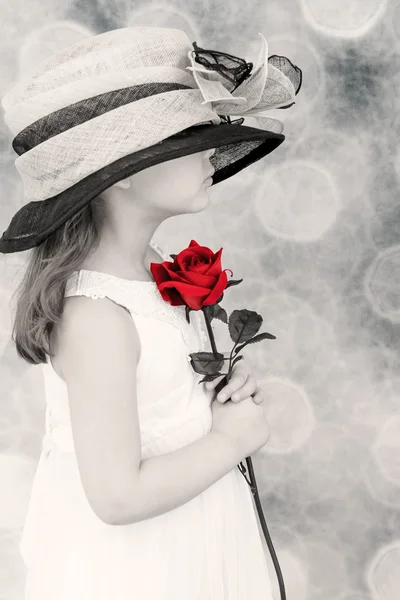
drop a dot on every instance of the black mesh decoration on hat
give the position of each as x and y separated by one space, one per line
292 72
233 68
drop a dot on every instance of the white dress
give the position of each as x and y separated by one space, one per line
209 548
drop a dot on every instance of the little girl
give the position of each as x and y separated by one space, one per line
137 494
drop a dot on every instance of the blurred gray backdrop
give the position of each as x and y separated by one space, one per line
314 231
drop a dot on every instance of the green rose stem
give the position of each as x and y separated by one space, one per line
252 483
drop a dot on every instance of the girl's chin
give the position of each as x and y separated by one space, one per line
202 198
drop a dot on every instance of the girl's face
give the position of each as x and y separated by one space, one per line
176 186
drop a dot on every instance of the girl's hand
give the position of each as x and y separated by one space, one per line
242 385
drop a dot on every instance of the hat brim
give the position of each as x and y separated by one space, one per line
237 147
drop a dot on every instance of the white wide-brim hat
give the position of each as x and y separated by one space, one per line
122 101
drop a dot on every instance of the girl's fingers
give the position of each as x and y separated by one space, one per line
242 386
258 396
247 389
236 389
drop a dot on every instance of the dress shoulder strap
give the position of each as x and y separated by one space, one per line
96 284
159 251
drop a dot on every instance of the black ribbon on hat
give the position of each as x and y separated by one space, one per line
233 68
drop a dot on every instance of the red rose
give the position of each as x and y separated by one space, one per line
194 278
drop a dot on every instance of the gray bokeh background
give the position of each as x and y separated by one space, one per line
314 231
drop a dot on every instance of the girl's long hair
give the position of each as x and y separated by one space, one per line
40 295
